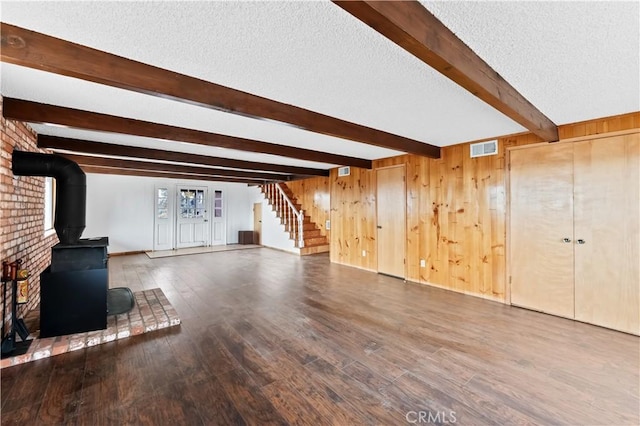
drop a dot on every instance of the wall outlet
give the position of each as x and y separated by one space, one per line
423 263
327 225
364 253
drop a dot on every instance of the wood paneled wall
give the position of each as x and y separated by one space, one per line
353 219
456 213
314 196
599 126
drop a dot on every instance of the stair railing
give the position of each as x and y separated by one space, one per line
292 218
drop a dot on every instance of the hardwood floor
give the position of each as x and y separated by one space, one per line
272 338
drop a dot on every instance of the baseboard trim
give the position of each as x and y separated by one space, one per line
127 253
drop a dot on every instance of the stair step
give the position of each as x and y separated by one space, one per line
315 241
307 226
274 208
308 250
308 235
312 233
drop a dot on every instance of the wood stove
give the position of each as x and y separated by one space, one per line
73 290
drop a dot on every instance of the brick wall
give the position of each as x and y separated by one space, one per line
22 211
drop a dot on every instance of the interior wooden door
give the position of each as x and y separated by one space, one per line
607 215
391 208
541 228
257 221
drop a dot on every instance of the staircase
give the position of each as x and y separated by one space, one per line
306 235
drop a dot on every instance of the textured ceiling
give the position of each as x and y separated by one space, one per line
574 61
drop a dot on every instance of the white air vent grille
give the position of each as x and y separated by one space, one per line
484 148
344 171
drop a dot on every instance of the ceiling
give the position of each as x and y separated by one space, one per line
573 61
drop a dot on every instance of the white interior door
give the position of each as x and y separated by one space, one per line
163 218
192 224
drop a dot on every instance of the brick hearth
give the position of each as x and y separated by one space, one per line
151 312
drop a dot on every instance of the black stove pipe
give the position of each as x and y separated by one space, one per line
71 190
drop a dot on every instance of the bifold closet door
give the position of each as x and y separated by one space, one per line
607 216
541 229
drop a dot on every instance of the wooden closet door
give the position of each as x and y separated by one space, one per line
541 228
391 213
607 216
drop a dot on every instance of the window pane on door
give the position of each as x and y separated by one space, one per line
163 203
187 203
217 204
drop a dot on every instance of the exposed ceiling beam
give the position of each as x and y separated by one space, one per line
35 112
88 147
35 50
415 29
148 173
86 160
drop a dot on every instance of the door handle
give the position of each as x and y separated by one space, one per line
566 240
580 241
379 227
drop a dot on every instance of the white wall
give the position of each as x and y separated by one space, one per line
122 208
273 233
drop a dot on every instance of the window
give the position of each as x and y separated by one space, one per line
162 207
49 204
217 204
192 203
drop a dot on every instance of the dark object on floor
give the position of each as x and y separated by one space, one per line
73 294
247 237
120 300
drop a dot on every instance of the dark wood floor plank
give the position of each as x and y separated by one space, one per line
248 399
293 346
216 360
409 394
248 328
63 395
188 357
100 382
366 376
103 416
325 400
25 415
365 401
26 385
271 338
434 383
213 404
299 330
349 335
262 368
620 393
180 410
295 408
